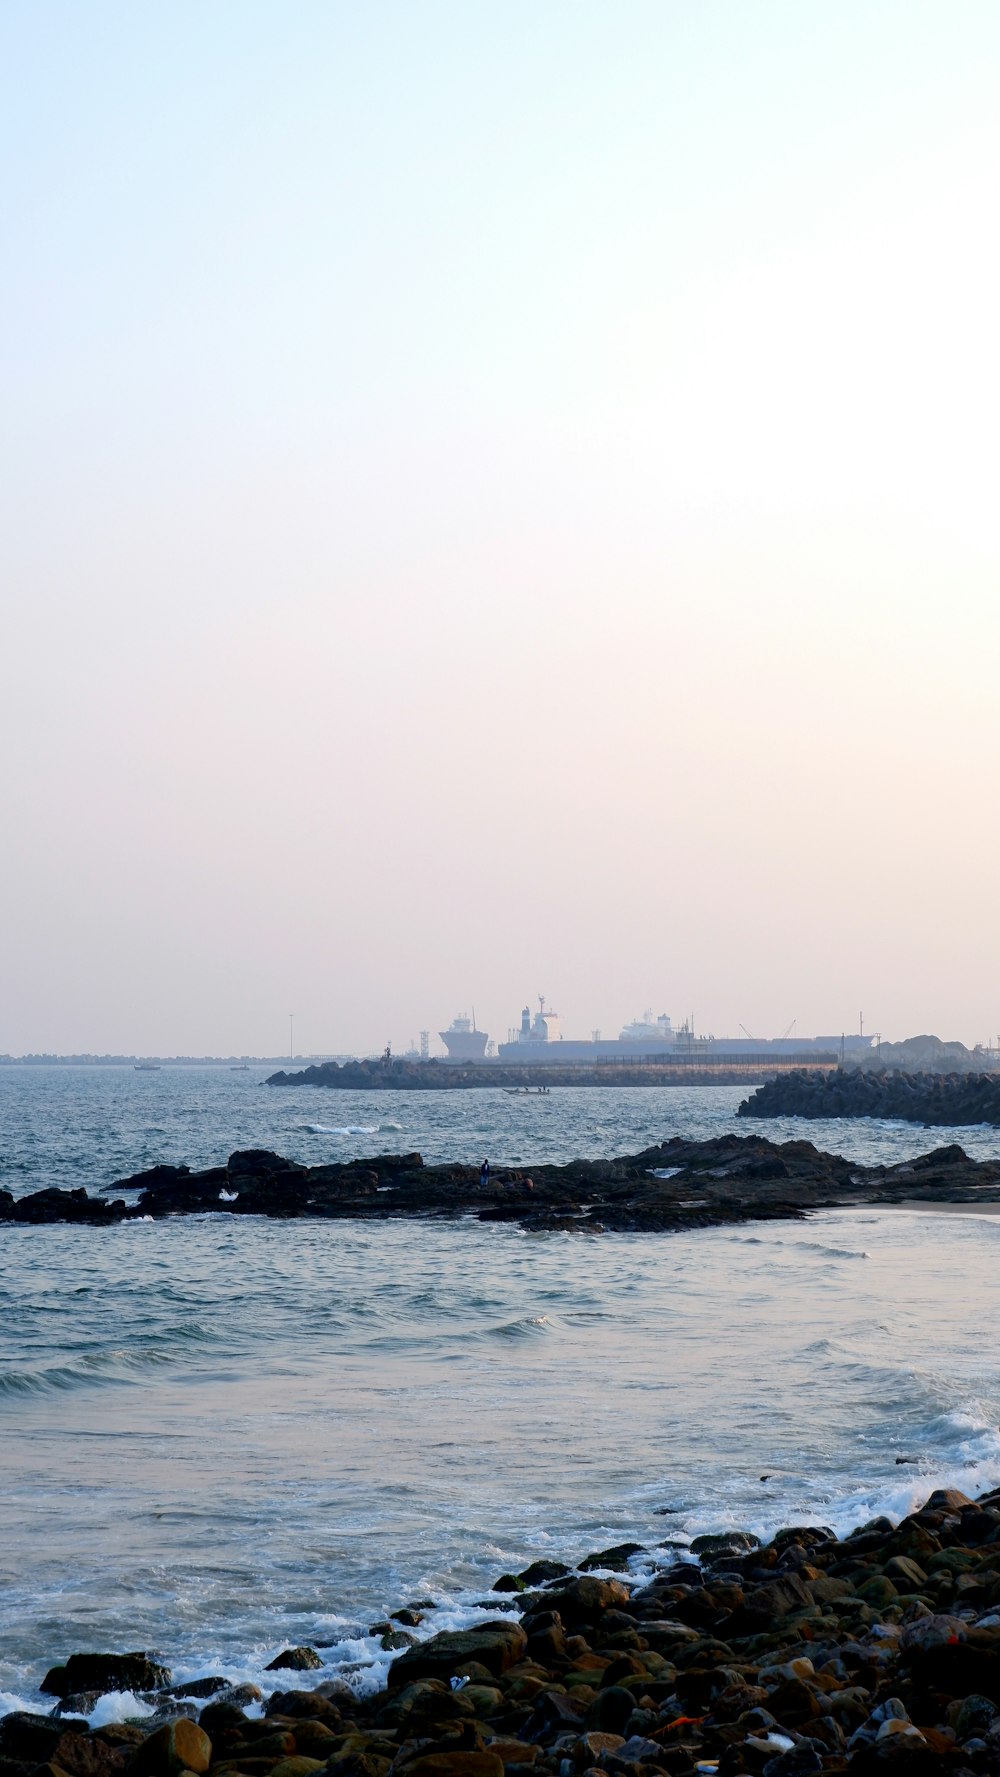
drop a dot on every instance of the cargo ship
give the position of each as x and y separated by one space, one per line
655 1040
652 1040
463 1041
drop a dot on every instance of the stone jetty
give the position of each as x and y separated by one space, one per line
872 1654
675 1185
397 1074
951 1100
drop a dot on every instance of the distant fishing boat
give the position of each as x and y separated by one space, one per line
239 1067
147 1067
527 1091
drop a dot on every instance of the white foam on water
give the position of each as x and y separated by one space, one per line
345 1128
118 1706
10 1701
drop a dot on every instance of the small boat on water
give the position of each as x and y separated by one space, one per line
528 1091
146 1067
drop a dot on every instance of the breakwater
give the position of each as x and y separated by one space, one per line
951 1100
394 1074
804 1654
673 1185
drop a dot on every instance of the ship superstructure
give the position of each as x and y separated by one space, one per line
463 1041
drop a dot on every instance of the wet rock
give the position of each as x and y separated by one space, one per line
496 1646
767 1604
613 1560
240 1694
541 1573
176 1747
295 1659
315 1705
199 1687
106 1672
725 1542
33 1738
585 1600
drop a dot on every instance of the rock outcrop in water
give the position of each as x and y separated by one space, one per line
674 1185
872 1654
946 1099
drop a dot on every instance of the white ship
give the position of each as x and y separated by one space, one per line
463 1041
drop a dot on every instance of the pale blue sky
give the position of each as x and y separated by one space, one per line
497 500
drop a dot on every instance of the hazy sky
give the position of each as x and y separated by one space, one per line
497 499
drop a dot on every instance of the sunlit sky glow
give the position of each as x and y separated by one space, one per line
497 500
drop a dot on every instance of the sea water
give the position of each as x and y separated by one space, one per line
220 1436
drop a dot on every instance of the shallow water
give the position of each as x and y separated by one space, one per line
218 1437
71 1126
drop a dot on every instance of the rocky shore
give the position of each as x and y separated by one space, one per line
957 1099
675 1185
878 1652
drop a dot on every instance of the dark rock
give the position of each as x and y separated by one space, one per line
306 1705
610 1710
199 1687
105 1672
800 1760
947 1098
494 1645
585 1600
614 1560
33 1738
975 1717
295 1659
540 1573
456 1764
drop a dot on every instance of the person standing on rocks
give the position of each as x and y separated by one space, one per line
484 1175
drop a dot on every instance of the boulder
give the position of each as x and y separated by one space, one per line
104 1673
542 1573
494 1645
295 1659
32 1739
456 1764
176 1747
307 1705
614 1560
585 1600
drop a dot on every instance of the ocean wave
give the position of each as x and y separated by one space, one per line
801 1246
122 1364
346 1128
828 1252
529 1326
